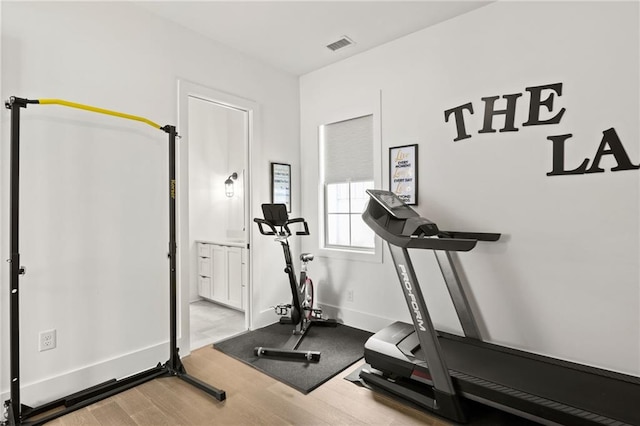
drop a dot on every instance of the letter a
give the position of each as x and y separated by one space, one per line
610 138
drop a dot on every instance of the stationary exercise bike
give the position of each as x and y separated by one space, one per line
300 312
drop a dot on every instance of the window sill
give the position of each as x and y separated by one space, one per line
373 256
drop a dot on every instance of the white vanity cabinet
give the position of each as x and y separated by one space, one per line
221 273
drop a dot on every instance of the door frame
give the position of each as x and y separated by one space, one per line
188 89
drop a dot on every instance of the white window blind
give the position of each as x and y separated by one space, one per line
348 150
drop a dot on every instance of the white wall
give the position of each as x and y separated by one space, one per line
94 190
564 279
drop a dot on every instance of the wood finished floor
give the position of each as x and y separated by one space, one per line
252 399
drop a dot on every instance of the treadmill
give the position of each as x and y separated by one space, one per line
438 371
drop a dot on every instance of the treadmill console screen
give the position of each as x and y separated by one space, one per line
392 203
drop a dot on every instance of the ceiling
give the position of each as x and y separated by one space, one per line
292 35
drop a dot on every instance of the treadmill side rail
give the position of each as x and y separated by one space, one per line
458 295
447 403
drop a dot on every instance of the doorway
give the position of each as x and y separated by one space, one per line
214 215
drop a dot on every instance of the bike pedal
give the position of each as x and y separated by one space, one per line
282 309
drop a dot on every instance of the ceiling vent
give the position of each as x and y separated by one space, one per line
340 44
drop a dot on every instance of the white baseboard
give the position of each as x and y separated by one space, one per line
352 318
356 319
264 318
51 388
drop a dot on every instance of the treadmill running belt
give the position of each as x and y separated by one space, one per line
598 391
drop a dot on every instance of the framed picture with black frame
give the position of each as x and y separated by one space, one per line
403 172
281 184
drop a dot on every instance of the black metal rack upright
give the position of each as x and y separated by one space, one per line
20 414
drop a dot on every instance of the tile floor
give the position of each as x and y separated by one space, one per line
211 322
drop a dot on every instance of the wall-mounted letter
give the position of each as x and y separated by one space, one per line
510 113
459 118
558 158
537 102
610 138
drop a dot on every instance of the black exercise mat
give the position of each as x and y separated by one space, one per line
340 346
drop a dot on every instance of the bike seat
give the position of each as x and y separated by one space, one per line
306 257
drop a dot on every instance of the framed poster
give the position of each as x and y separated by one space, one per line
281 184
403 172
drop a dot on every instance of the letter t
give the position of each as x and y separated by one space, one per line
459 118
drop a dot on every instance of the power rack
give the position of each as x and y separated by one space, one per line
20 414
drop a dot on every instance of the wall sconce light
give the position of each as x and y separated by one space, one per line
228 184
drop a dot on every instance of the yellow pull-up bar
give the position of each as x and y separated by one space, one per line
98 110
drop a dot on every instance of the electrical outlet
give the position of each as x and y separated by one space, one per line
350 296
47 340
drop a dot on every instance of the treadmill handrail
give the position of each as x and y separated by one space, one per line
449 241
479 236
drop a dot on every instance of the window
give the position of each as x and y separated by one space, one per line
347 170
345 203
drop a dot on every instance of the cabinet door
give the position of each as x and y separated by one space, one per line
219 273
204 266
204 270
204 287
234 274
203 250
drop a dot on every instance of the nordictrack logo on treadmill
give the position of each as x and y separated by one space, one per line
414 304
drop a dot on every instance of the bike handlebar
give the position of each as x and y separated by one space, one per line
261 222
284 228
